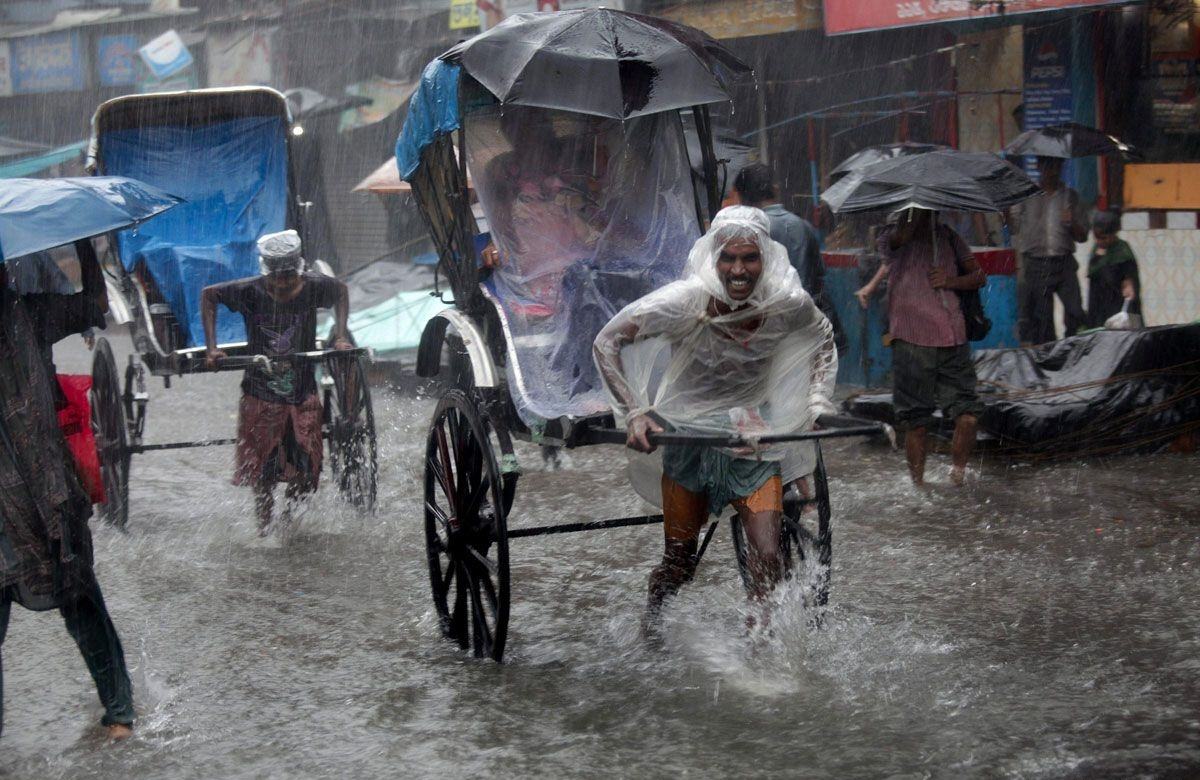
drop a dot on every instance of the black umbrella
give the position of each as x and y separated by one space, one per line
1066 141
305 103
941 180
598 61
874 154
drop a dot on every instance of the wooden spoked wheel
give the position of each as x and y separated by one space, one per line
350 431
466 534
112 436
806 543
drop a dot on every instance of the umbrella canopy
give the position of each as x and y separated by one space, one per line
942 180
873 154
37 214
1066 141
598 61
386 180
305 103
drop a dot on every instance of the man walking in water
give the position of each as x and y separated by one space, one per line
931 358
45 543
279 418
736 347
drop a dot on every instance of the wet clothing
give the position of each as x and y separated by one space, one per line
716 474
685 510
1107 269
1041 279
279 328
278 442
803 247
925 379
45 544
918 313
1038 227
89 624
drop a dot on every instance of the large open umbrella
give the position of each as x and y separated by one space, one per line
598 61
941 180
37 214
873 154
1066 141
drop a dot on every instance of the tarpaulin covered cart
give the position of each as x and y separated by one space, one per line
225 153
569 126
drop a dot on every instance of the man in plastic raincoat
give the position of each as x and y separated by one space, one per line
735 347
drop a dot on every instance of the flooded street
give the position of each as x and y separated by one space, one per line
1041 622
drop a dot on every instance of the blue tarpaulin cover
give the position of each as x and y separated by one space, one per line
37 214
432 110
234 178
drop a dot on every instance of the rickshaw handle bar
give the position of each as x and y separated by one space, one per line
246 361
832 428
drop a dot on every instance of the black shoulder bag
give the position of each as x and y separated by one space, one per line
971 303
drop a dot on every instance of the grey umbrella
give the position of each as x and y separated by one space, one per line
940 180
1067 141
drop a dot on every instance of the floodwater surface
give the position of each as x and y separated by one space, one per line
1040 622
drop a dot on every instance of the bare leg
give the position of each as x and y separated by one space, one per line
914 451
763 558
962 445
677 567
264 505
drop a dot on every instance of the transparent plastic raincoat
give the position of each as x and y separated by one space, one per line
765 367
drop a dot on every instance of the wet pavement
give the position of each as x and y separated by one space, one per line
1041 622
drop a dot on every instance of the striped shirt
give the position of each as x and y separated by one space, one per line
917 313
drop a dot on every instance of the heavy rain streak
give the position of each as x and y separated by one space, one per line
558 388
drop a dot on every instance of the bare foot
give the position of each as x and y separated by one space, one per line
119 731
958 475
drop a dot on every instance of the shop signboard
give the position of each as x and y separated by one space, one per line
116 60
464 15
1047 95
492 12
847 16
166 55
48 63
1176 96
241 57
6 87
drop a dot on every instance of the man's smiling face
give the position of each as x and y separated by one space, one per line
739 266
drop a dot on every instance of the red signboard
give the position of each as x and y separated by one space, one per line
843 16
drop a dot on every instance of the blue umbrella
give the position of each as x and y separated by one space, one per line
38 214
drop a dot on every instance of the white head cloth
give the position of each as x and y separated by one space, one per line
767 366
275 250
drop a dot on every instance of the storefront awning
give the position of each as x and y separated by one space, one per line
847 16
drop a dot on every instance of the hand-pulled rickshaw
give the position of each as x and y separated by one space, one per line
225 152
569 127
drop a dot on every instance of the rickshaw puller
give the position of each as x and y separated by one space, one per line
750 354
279 417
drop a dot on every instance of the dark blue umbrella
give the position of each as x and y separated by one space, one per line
38 214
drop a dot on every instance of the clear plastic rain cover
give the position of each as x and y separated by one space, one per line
705 363
589 214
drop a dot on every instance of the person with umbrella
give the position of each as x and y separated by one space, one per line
1046 229
45 543
928 263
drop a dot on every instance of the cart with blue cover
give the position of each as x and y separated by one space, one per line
569 126
225 152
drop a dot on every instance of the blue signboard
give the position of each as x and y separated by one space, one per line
48 63
116 57
1048 98
166 55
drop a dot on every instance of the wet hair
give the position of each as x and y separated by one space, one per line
1106 222
754 184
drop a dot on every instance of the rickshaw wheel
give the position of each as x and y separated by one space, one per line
112 443
350 431
807 552
466 533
